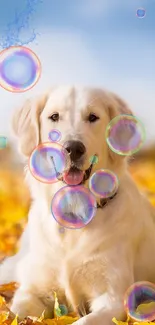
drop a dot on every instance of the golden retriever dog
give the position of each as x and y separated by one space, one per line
90 268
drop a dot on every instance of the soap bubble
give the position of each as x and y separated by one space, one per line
20 69
64 310
125 135
93 159
61 230
103 183
73 207
141 13
139 301
3 142
54 135
48 161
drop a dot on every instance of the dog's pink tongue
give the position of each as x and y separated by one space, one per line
73 178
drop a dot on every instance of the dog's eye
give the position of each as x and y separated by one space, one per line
54 117
92 118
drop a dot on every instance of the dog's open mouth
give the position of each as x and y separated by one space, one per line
73 176
76 176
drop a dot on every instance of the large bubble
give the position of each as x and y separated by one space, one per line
48 162
73 207
20 69
125 134
139 301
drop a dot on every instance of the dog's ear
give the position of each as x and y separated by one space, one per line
119 106
25 124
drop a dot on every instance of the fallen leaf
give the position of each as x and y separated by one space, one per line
8 287
63 320
15 322
2 301
119 322
3 317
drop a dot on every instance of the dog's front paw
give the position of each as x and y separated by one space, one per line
26 304
83 321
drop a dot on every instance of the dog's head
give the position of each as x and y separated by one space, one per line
81 115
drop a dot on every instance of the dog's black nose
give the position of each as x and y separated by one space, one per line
76 149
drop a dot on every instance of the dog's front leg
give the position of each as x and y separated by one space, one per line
103 316
26 303
37 282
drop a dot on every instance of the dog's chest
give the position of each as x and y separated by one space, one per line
83 280
77 258
82 271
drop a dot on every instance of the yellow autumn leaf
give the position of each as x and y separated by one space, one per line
3 316
119 322
41 318
57 310
15 321
2 301
8 287
146 308
63 320
143 323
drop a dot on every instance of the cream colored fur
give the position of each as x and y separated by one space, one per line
90 267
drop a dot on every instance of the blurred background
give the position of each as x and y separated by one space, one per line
83 42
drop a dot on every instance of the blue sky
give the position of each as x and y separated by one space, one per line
96 42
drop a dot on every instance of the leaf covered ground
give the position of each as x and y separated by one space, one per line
14 205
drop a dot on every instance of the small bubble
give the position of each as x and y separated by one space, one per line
103 183
141 13
61 230
93 159
3 142
64 310
54 135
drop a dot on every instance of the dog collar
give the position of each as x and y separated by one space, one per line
104 202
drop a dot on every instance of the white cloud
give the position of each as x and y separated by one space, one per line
67 59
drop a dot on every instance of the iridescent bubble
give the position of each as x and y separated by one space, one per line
139 301
3 142
103 183
141 13
64 310
125 135
54 135
93 159
20 69
73 207
61 230
48 161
